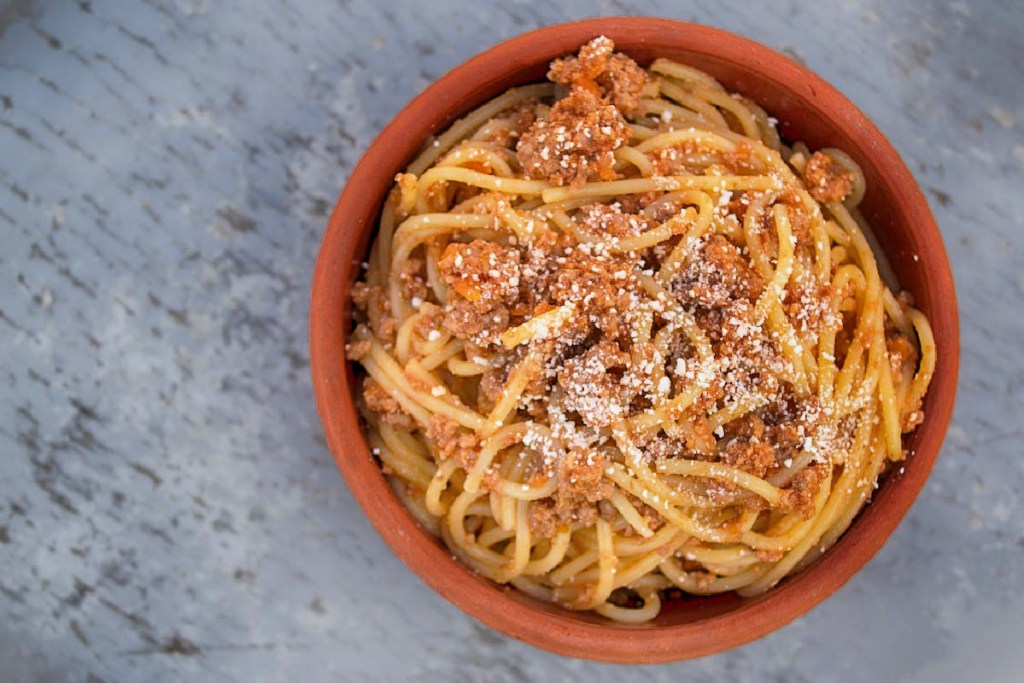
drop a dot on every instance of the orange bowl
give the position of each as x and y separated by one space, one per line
808 109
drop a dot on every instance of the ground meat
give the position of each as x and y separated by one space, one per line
431 318
799 226
464 321
799 495
844 337
602 219
538 269
602 289
615 75
379 401
607 511
807 302
481 272
748 427
576 143
787 439
640 379
699 437
581 476
373 298
718 274
912 417
358 350
647 513
484 277
688 565
738 204
538 370
543 520
417 383
581 488
362 293
901 353
493 357
523 117
386 329
635 203
452 441
588 282
492 384
743 161
674 160
755 457
411 278
403 196
437 196
827 180
734 270
591 388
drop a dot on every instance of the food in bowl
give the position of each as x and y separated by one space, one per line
621 341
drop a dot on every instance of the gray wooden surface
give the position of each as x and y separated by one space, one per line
168 509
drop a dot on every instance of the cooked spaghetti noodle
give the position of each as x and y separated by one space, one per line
618 338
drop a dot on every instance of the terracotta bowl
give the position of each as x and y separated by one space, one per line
808 109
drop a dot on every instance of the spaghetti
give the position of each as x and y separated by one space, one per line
619 338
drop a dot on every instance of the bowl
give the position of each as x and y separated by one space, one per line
808 109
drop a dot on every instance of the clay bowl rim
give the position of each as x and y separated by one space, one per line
545 626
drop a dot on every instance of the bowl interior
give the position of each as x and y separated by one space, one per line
808 109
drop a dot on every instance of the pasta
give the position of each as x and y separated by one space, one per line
619 340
